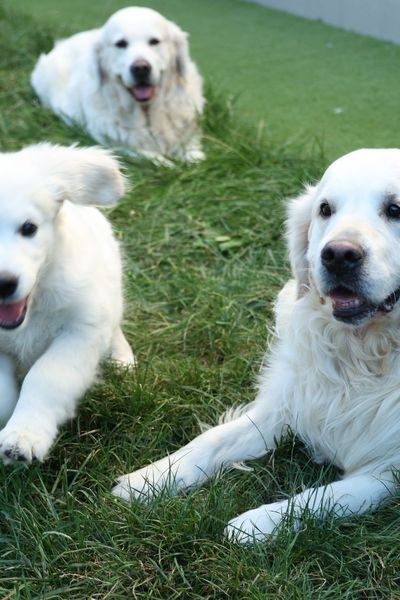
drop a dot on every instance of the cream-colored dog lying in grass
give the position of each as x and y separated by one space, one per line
333 375
60 289
130 83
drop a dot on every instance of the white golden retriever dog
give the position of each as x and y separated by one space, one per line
60 289
333 375
130 83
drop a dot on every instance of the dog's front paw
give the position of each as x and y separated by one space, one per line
194 156
256 525
142 485
24 444
149 481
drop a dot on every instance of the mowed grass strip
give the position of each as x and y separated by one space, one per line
204 257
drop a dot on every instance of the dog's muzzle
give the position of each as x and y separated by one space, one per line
142 90
352 308
343 261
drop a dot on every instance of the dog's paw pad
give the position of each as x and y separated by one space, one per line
22 446
15 454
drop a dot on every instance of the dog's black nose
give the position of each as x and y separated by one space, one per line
141 70
341 256
8 284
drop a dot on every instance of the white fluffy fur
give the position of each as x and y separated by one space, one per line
336 385
70 271
84 79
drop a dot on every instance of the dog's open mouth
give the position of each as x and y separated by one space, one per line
12 314
344 301
141 92
352 308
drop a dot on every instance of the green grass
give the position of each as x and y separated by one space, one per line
204 258
288 72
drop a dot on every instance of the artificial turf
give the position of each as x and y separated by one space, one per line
204 257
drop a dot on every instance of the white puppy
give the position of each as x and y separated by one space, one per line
130 83
333 375
60 289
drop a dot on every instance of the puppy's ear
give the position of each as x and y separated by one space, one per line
89 176
297 229
181 49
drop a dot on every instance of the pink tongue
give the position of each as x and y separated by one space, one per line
345 299
10 313
142 92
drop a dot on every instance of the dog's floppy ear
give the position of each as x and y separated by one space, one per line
181 49
89 176
96 73
297 229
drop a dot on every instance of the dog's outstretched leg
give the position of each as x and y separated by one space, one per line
249 436
50 393
351 495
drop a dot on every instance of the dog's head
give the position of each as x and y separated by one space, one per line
34 183
140 50
344 235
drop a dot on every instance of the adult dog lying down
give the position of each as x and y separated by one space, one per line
333 374
60 289
130 83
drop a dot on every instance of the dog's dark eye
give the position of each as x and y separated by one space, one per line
121 44
325 210
28 229
393 211
154 41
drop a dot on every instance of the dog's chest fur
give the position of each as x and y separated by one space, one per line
342 390
154 128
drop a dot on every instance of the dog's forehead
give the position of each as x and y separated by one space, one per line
371 172
21 184
135 22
